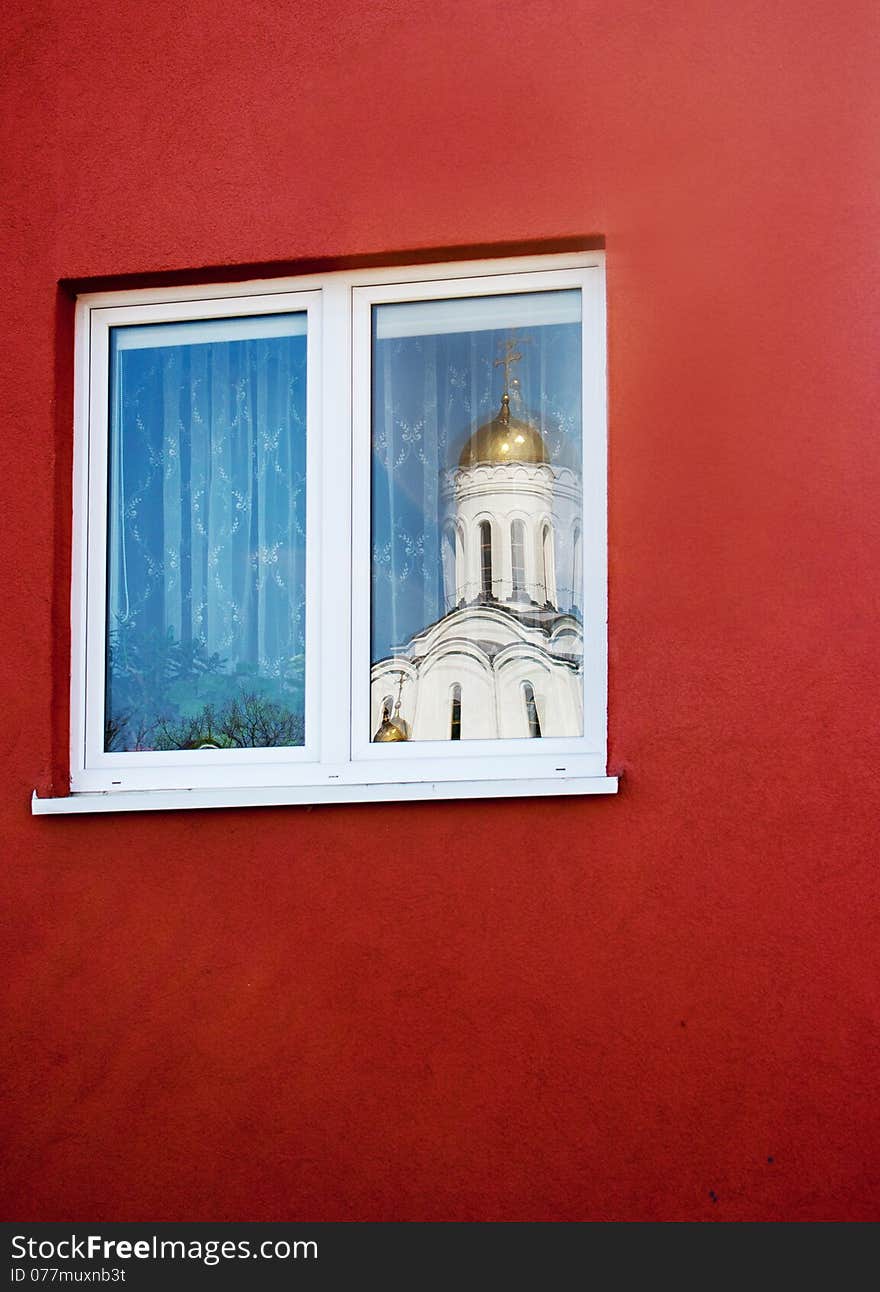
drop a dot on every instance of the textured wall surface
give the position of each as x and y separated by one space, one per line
660 1006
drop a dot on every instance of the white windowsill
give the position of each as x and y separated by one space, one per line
277 796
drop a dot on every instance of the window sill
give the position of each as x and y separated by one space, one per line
280 796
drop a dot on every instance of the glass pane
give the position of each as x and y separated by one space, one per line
477 628
206 572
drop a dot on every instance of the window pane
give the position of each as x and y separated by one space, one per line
206 575
476 503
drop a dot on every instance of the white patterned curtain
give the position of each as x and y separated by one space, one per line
206 587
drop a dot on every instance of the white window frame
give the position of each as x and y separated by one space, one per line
339 762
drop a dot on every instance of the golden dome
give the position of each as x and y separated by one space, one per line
389 730
504 439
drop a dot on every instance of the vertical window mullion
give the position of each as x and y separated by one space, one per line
338 616
94 533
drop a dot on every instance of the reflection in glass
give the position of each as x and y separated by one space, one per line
455 724
531 710
518 556
476 620
206 577
486 558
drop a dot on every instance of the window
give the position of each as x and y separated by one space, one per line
518 557
310 514
532 719
455 723
486 558
548 583
577 578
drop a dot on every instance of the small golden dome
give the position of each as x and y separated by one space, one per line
389 730
504 439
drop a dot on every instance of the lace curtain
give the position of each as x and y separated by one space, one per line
206 586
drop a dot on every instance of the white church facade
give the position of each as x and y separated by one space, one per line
506 661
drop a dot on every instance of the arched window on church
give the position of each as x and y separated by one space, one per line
532 718
448 564
518 556
455 721
549 567
460 575
486 558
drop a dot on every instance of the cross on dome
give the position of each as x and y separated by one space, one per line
510 356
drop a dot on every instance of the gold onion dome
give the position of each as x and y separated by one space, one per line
389 730
504 439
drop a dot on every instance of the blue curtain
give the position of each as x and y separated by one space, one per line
206 580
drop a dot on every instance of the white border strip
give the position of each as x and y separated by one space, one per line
282 796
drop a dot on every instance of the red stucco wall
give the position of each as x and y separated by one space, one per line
588 1009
